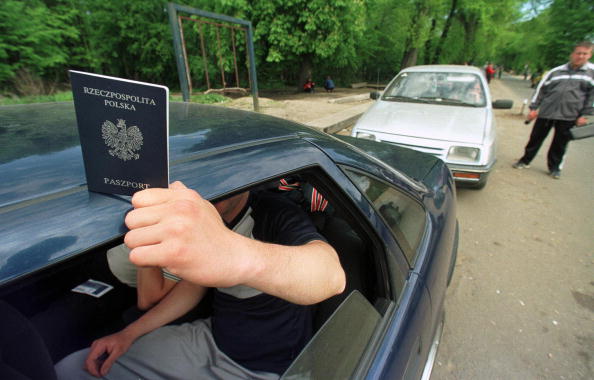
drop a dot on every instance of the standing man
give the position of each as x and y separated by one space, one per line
562 99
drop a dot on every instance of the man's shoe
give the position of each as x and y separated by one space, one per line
555 174
520 165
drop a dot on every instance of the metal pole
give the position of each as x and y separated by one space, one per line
204 57
179 55
252 59
183 41
235 58
173 8
220 55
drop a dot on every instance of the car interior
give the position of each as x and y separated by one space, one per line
68 321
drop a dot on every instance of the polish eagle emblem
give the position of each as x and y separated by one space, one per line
124 141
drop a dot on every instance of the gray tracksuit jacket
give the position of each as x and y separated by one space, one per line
565 94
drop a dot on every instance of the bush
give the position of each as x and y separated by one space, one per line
202 98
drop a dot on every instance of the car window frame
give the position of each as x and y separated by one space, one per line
366 217
354 307
403 247
393 311
347 196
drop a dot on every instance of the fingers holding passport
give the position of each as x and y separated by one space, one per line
175 228
155 196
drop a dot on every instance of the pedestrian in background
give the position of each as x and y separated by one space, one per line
562 99
489 72
309 86
329 84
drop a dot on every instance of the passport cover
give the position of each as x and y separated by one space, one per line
124 132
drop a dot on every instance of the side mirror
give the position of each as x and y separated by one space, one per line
503 104
374 95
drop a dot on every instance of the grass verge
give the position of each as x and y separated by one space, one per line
65 96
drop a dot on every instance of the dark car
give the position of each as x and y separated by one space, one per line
391 217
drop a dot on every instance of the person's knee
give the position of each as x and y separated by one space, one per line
73 366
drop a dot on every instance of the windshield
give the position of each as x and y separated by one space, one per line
461 89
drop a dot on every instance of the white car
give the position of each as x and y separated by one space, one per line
443 110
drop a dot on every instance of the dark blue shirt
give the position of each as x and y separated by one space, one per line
266 333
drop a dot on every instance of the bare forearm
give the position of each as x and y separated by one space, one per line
305 274
151 286
180 300
178 230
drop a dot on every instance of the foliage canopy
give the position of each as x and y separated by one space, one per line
351 40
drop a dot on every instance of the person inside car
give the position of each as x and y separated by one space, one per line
263 287
151 283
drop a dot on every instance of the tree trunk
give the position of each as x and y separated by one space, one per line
413 40
427 58
410 58
444 33
305 70
470 23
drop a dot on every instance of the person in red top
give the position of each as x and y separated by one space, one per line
489 71
309 86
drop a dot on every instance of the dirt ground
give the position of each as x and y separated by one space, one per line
301 107
521 304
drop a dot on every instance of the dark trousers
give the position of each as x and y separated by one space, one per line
558 146
23 354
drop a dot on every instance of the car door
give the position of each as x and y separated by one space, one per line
389 337
403 224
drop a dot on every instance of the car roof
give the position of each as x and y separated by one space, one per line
444 68
48 215
41 151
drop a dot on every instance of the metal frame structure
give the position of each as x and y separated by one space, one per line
200 23
180 53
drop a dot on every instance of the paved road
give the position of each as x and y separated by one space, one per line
521 304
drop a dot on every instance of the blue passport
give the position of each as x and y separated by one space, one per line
124 132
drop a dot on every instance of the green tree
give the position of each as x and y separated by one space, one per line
434 58
31 39
545 40
568 22
129 38
473 30
382 47
418 31
301 32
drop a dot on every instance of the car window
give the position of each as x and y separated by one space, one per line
405 217
443 88
335 350
371 274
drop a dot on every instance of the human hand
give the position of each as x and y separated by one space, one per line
105 351
533 114
178 230
581 121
